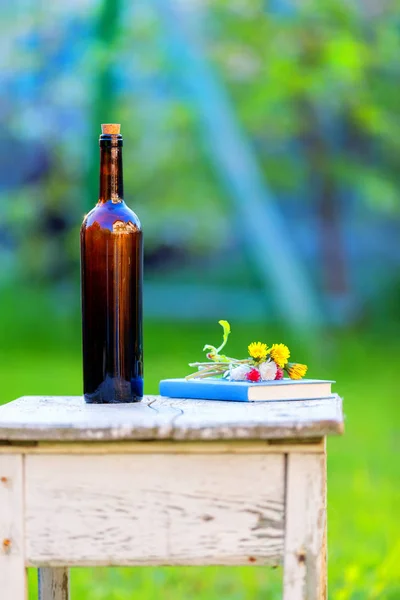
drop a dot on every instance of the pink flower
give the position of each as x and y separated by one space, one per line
279 373
253 375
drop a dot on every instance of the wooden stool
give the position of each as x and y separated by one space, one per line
163 482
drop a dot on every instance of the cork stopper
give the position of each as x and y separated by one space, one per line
111 128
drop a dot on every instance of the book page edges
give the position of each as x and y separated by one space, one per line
303 392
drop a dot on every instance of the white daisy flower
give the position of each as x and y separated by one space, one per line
239 373
268 370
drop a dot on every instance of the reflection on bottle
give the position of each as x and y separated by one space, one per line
112 273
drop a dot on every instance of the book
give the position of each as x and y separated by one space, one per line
243 391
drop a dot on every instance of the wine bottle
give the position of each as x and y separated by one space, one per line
111 278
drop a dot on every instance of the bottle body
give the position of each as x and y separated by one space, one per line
111 277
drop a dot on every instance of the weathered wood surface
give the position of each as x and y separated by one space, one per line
12 559
249 447
53 583
68 418
304 573
154 509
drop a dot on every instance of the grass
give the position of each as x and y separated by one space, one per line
364 541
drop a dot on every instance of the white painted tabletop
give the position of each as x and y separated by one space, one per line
68 418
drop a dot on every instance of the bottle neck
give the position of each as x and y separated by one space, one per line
111 176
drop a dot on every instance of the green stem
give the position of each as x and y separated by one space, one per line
240 361
201 375
229 360
201 364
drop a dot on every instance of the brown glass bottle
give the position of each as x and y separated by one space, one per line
111 276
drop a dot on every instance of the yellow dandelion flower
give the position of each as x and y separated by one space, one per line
258 350
280 354
296 370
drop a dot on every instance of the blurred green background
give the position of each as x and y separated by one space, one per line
262 145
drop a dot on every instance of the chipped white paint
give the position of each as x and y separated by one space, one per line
35 418
304 560
154 509
53 583
12 560
306 446
218 420
165 481
227 510
70 418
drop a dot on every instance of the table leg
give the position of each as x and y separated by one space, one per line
304 560
53 583
13 584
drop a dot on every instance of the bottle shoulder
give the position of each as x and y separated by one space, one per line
112 215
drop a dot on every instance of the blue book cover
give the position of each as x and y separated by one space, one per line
243 391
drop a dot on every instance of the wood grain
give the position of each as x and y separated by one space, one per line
227 510
304 560
154 509
12 559
249 447
211 420
68 418
53 583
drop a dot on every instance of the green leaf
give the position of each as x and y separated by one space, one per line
227 329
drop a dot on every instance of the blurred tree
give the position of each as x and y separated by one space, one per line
314 88
104 106
261 227
318 83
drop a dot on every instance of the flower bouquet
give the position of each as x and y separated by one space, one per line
264 363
